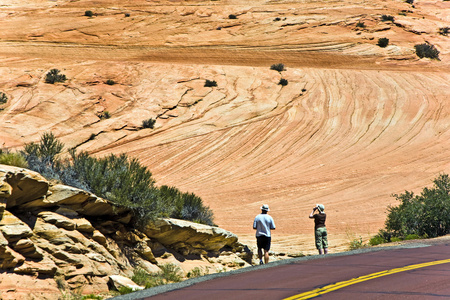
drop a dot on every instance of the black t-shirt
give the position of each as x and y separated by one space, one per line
319 220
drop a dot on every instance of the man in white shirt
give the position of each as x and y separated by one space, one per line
263 223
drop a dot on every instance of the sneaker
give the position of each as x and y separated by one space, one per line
261 262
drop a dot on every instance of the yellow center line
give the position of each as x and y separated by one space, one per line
342 284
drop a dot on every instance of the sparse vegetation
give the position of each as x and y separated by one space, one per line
120 179
385 18
383 42
409 1
232 17
197 272
210 83
357 244
277 67
104 115
277 19
444 31
13 159
88 13
54 76
169 273
3 98
149 123
110 82
127 15
427 50
283 82
418 216
360 24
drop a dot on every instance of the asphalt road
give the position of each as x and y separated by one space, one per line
418 270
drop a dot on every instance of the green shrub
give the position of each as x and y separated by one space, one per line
387 18
88 13
357 244
171 272
427 50
377 240
110 82
383 42
54 76
143 278
425 215
210 83
412 237
13 159
444 31
120 179
123 290
232 17
277 67
48 148
283 82
3 98
149 123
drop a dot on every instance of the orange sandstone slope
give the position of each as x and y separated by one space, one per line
355 123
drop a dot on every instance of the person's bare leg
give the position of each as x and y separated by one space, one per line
259 253
325 250
266 256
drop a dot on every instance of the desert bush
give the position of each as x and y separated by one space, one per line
409 1
377 240
277 67
283 82
383 42
424 215
357 244
197 272
118 178
149 280
360 24
48 148
387 18
110 82
149 123
88 13
54 76
442 31
427 50
104 115
13 159
168 273
3 98
232 17
277 19
171 272
210 83
186 206
127 15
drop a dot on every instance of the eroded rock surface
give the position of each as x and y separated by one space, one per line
48 235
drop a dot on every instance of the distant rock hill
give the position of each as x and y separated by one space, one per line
56 238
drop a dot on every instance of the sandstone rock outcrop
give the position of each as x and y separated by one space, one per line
83 242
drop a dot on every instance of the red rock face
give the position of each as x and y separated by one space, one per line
355 123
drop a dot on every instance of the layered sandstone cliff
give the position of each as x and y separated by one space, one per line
56 239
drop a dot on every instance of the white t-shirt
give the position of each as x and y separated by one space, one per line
263 223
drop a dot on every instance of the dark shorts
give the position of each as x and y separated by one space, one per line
263 242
